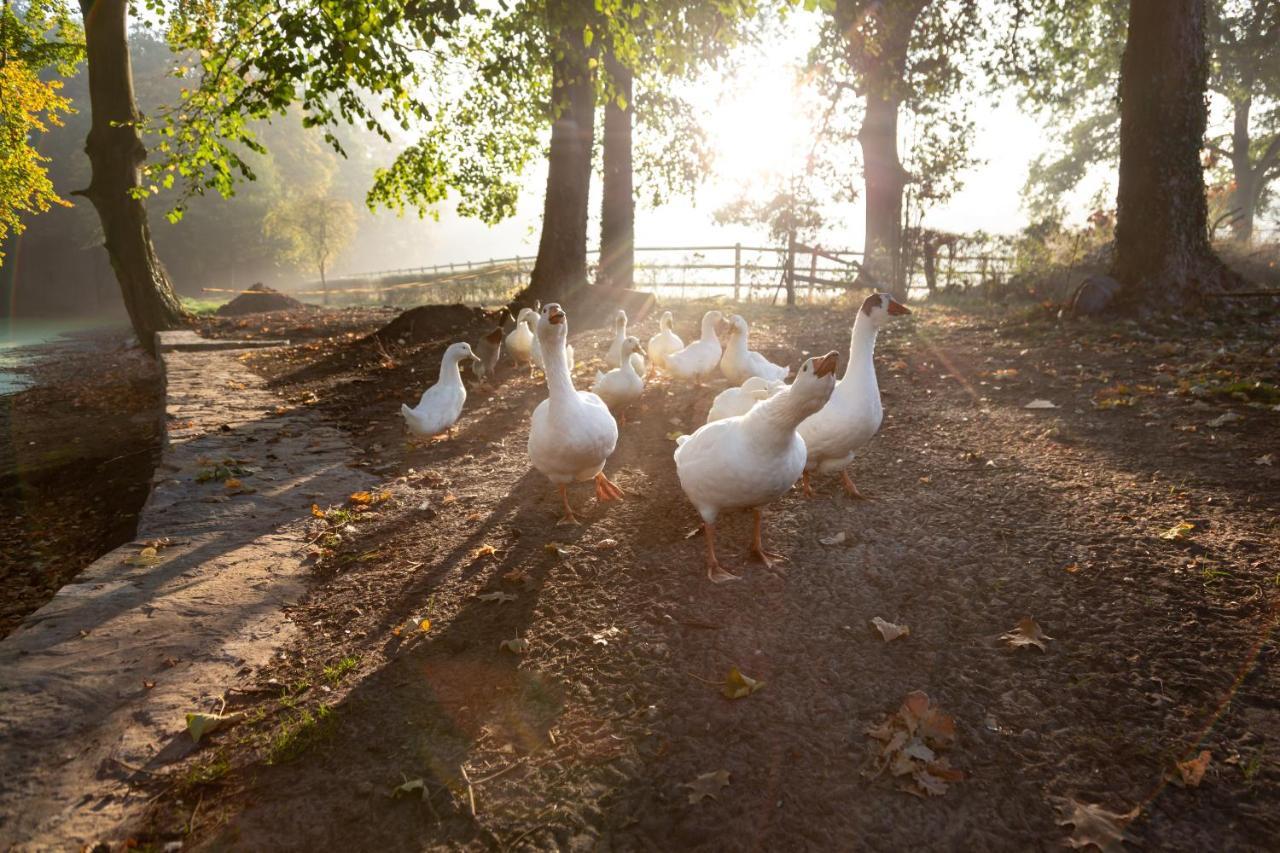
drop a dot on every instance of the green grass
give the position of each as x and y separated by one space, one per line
201 306
334 673
299 734
206 771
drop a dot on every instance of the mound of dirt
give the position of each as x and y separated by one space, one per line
430 322
259 299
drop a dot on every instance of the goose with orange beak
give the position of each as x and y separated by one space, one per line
848 421
572 432
748 461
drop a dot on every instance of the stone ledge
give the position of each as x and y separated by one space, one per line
185 340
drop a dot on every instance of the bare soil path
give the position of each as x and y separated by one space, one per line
984 511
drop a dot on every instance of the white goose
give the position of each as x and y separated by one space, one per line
834 435
441 404
699 359
519 341
748 461
740 364
622 386
538 361
572 432
664 343
613 357
732 402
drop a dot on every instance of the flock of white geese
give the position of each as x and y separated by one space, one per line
761 436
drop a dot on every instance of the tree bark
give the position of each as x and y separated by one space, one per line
1163 257
618 206
560 271
877 37
116 154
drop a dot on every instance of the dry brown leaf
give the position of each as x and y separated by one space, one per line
1191 772
361 498
515 575
483 551
911 739
317 511
448 499
1026 633
497 596
837 539
707 785
1094 825
889 630
736 685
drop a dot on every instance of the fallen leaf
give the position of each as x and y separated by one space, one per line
515 575
674 435
607 544
838 539
150 685
483 551
516 646
1072 569
707 785
448 499
317 511
600 638
1191 771
1178 531
1265 459
890 631
146 557
497 596
232 484
409 788
200 724
424 625
911 739
1040 404
736 685
1094 825
1224 419
361 498
1027 633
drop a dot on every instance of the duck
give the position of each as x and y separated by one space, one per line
748 461
488 350
572 432
613 357
441 404
536 351
739 400
519 341
848 421
622 386
740 364
699 359
664 343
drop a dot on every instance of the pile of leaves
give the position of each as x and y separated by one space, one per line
259 299
910 740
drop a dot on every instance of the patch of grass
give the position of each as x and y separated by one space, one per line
299 734
1211 575
225 470
206 771
334 673
200 307
1249 391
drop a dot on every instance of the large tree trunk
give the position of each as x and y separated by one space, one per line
618 206
877 37
560 270
1163 256
116 154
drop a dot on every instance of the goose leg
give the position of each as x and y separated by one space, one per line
850 489
757 546
715 572
569 517
804 485
606 490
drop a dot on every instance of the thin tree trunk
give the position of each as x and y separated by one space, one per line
1163 256
560 270
618 206
1244 197
116 154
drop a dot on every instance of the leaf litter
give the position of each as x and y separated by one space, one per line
910 740
1027 633
706 785
1094 825
1191 772
738 686
889 630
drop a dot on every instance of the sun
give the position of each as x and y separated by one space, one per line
759 133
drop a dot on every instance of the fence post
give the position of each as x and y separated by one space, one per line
790 271
813 272
737 269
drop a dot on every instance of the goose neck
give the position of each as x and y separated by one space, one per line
449 372
556 367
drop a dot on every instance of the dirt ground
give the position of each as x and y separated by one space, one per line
77 451
983 512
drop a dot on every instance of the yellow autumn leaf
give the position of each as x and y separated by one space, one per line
146 557
200 724
1178 531
317 511
736 685
361 498
232 484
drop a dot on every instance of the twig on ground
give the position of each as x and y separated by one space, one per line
506 769
471 791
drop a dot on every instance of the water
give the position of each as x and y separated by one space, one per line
18 337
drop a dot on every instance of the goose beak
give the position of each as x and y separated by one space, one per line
826 365
556 317
896 307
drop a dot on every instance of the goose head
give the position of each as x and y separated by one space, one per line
737 327
457 352
713 325
527 315
879 307
553 325
620 320
814 383
631 345
665 323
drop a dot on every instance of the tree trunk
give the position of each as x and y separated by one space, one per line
618 206
1244 199
115 154
560 270
1163 256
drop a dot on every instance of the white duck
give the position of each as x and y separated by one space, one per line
441 404
613 357
699 359
664 343
622 386
519 341
732 402
538 361
748 461
740 364
572 432
834 435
